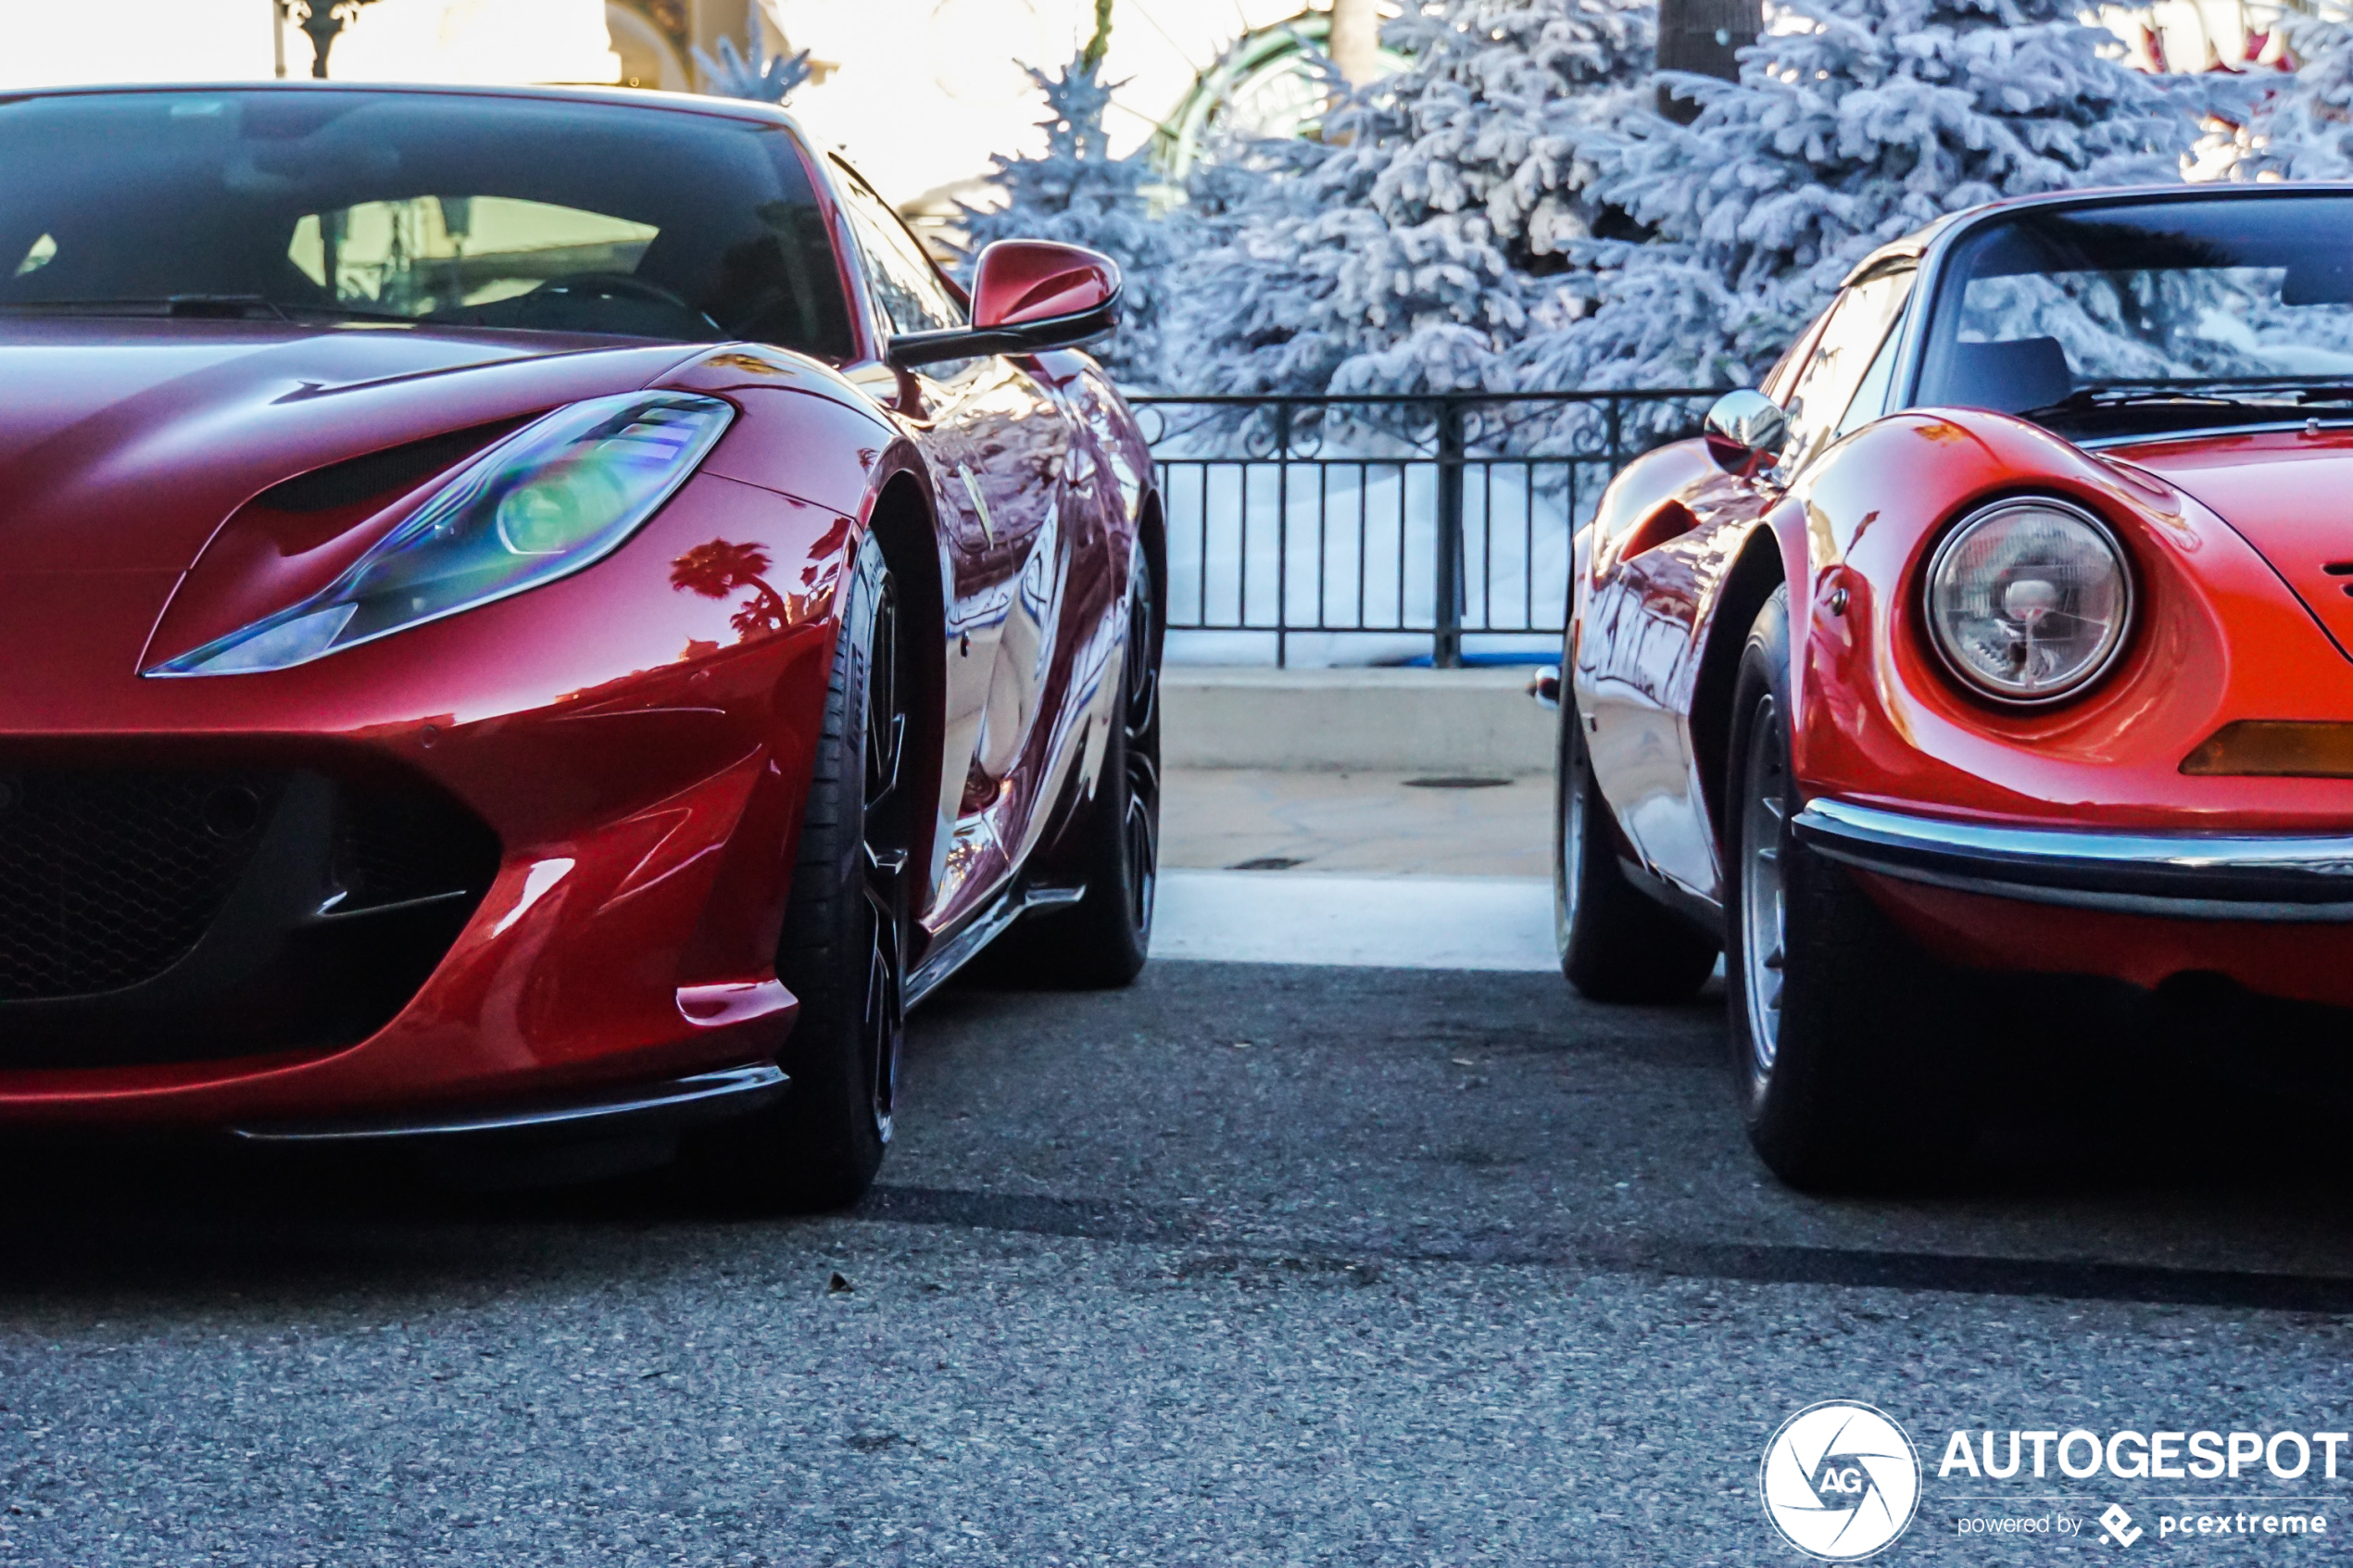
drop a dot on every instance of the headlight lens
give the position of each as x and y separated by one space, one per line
2029 601
557 495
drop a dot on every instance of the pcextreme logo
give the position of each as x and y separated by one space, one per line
1839 1481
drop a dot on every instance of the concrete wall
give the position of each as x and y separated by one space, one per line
1459 722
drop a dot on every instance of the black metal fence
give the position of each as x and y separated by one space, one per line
1406 518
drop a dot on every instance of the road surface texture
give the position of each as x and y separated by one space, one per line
1248 1265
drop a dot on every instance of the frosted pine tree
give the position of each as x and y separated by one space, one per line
1855 122
1077 193
737 74
1403 250
2303 129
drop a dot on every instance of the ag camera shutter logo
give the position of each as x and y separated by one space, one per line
1840 1480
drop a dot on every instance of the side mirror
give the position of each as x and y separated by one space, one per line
1745 431
1028 297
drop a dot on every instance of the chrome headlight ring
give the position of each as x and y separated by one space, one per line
2029 601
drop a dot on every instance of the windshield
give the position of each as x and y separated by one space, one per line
2154 314
471 211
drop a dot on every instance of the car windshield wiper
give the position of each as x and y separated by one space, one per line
226 306
2260 392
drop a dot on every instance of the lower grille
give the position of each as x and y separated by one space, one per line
152 915
109 878
395 845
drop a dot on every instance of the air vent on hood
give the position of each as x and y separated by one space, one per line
378 475
2341 568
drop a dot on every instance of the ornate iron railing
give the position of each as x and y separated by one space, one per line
1403 518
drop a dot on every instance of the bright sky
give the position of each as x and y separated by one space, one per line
925 89
925 84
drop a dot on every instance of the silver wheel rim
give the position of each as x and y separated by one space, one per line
1573 784
1764 927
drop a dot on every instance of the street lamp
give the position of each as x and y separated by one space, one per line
322 20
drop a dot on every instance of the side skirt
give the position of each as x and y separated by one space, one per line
953 952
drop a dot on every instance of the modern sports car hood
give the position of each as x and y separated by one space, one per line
2287 492
124 444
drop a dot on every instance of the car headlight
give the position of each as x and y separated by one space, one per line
2029 601
557 495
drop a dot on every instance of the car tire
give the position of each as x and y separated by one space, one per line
1616 943
841 953
1836 1049
1112 846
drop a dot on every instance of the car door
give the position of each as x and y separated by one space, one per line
998 444
1654 595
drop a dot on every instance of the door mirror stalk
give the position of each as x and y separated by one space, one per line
1029 296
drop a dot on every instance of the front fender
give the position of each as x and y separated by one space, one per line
2218 636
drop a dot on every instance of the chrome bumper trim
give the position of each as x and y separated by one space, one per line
2179 875
707 1097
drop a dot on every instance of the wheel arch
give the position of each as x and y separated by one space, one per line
1754 574
900 521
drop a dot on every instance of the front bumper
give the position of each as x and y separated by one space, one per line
2197 876
638 750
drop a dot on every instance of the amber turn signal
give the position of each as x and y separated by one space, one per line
2283 748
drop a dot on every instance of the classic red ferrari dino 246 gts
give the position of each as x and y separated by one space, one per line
540 610
2007 630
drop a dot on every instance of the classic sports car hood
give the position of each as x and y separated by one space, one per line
124 444
2287 492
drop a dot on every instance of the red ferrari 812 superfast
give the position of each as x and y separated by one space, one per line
538 611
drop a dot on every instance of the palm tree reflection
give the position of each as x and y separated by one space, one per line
719 570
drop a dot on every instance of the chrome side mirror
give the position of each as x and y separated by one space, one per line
1745 431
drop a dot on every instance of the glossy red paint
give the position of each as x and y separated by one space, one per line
1019 281
2218 530
639 735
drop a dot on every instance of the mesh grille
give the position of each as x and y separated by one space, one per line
109 878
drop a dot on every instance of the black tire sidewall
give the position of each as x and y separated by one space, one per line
1866 1089
1616 943
821 1146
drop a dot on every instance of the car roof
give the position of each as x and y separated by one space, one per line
623 97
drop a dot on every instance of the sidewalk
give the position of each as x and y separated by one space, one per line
1395 870
1363 823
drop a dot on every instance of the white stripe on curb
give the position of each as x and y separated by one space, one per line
1497 922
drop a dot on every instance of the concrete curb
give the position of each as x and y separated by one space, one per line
1438 720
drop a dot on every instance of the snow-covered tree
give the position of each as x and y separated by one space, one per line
734 74
2303 130
1854 122
1404 249
1077 193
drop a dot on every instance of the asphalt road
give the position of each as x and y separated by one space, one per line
1247 1265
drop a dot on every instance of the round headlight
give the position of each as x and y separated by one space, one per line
2029 601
